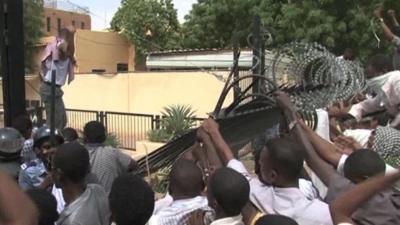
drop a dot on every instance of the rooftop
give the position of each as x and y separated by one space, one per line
66 5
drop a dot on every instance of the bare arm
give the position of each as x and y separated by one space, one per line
15 207
222 148
220 153
345 205
326 150
386 30
323 170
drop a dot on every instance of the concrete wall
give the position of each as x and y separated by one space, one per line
66 18
102 50
145 92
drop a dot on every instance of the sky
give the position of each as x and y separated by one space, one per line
102 11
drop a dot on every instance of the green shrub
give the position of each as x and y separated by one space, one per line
176 121
159 135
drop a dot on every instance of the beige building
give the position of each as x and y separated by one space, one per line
96 52
139 92
60 14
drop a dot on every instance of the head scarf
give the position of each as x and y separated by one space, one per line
387 145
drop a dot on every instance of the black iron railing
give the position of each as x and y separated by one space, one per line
128 127
78 118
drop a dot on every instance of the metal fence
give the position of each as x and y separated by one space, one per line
78 118
128 127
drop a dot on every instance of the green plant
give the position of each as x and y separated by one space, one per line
176 121
112 140
159 135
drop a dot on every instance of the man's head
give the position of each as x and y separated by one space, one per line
228 192
362 164
70 134
131 200
349 54
378 65
275 220
94 133
70 164
68 36
185 180
46 204
281 162
42 145
24 125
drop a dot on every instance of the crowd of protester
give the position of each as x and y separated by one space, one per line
344 172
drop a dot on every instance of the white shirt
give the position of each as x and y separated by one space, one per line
62 69
179 211
57 193
360 135
290 202
163 203
236 220
323 124
323 131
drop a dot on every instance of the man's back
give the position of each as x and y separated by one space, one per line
107 163
91 208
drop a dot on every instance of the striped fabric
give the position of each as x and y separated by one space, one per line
27 153
179 211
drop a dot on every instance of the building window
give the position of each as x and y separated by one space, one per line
73 23
98 70
58 24
122 67
82 25
48 23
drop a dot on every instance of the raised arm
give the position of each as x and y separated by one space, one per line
15 207
222 148
326 150
323 170
213 160
218 148
386 30
345 205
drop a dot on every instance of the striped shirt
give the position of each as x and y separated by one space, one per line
180 210
27 153
107 163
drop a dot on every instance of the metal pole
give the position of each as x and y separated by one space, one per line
53 108
236 89
256 52
12 58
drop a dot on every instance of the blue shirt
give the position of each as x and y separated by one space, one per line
32 174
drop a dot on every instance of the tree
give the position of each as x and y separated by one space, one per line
33 23
149 24
214 24
337 24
